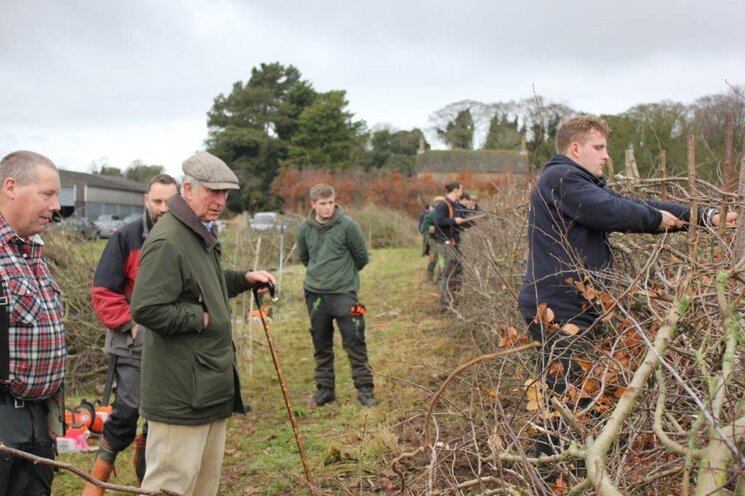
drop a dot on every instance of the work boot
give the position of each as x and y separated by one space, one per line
366 397
101 471
138 458
323 395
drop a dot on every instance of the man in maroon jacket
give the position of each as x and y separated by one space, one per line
111 292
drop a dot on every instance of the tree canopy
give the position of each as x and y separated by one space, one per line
141 172
458 133
392 150
250 129
326 135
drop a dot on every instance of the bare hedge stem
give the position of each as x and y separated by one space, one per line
75 470
597 449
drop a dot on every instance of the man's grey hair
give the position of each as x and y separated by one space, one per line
195 183
21 166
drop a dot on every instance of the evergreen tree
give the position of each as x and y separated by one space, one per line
326 135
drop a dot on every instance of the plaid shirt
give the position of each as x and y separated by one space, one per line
37 339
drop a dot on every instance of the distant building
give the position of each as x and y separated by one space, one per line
90 195
446 165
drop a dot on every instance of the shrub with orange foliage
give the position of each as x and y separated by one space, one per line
389 188
356 187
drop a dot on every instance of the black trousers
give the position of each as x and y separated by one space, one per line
560 360
323 310
121 428
25 429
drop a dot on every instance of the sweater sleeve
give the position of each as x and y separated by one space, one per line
598 208
236 282
356 245
302 246
156 299
107 293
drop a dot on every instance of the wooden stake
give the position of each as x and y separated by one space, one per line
740 233
691 145
730 172
632 172
663 171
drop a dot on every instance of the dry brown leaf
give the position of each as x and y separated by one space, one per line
591 386
509 336
560 486
607 301
570 329
585 363
556 369
544 315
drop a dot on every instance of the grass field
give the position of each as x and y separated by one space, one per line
349 447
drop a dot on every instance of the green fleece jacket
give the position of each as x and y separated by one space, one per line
333 252
189 374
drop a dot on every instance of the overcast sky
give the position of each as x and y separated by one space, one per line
81 80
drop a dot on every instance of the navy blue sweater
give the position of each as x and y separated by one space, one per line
571 215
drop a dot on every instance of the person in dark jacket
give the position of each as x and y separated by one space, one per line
571 215
420 229
332 247
189 384
448 222
112 289
428 230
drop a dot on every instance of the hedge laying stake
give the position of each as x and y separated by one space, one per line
281 378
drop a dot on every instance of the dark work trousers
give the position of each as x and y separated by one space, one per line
323 309
452 275
565 349
433 257
25 429
121 428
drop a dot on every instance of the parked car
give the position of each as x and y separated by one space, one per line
81 225
108 224
132 218
263 221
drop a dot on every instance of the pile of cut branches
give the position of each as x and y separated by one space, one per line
660 407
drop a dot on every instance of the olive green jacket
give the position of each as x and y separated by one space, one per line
189 373
333 252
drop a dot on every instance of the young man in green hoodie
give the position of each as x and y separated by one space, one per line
332 247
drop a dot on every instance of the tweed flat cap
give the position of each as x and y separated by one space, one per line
210 171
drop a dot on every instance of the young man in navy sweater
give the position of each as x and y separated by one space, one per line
571 215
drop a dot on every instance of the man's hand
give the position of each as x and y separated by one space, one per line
731 220
669 221
133 330
259 277
205 320
459 220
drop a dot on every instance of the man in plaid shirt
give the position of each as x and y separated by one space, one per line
32 341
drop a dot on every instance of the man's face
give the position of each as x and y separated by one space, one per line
458 192
35 203
592 155
206 203
156 198
324 208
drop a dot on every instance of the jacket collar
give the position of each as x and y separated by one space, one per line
179 209
564 160
338 212
147 223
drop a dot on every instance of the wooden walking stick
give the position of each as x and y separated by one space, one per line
282 384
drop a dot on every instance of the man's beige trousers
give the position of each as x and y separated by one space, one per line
184 458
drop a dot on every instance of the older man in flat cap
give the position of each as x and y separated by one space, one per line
189 376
